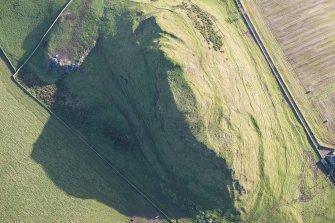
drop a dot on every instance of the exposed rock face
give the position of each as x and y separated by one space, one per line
61 61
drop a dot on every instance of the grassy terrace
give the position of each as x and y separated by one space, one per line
205 132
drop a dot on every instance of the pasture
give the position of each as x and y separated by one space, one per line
22 23
47 174
301 37
188 110
206 132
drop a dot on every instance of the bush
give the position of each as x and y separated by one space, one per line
204 24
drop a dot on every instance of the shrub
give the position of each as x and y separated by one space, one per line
204 24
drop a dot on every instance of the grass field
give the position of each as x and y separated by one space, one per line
48 175
23 23
301 37
178 96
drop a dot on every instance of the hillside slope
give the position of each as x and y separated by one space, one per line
177 95
86 190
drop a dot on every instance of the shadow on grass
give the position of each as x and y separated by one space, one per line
6 61
80 173
124 90
321 168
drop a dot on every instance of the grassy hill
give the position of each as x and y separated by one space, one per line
177 95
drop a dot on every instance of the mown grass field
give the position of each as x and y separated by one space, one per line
300 35
201 127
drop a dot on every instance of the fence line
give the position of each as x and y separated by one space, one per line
43 37
8 60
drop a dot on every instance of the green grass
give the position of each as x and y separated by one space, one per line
49 175
22 24
209 134
72 33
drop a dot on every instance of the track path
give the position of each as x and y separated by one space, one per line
310 135
74 131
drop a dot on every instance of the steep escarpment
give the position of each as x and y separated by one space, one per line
133 101
178 97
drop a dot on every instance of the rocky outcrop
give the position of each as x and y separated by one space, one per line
61 62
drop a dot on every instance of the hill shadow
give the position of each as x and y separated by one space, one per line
6 61
183 174
80 173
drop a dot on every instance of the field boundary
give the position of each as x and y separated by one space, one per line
43 37
72 130
8 62
287 94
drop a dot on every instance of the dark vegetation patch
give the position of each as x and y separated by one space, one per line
203 22
308 183
255 125
76 40
46 92
305 192
233 13
57 98
69 16
232 20
50 94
